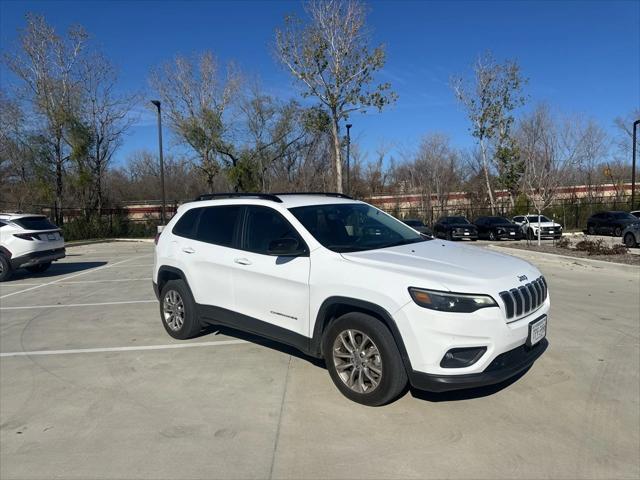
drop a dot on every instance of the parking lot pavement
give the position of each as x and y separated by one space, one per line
105 393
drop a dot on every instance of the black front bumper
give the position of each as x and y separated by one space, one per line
502 368
36 258
460 236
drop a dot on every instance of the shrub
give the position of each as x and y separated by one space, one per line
563 242
115 226
599 247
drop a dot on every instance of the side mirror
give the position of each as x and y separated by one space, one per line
285 247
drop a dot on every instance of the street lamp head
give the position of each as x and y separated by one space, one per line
156 103
349 126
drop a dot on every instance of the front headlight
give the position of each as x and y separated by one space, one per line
450 302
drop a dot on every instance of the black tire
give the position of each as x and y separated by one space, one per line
591 230
5 269
617 232
630 240
492 236
191 325
450 236
41 267
393 380
530 234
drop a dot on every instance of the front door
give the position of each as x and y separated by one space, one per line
268 288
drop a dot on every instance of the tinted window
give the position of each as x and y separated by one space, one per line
185 226
351 227
443 221
217 225
622 216
458 220
2 224
35 223
265 225
414 223
518 219
497 220
534 219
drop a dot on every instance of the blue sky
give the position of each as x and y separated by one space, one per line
580 57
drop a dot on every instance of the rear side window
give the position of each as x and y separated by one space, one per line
218 225
264 225
35 223
186 225
2 224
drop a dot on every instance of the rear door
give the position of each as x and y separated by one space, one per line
273 289
210 254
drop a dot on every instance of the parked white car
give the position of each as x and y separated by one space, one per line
530 225
341 280
28 241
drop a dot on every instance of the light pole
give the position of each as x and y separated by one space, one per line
162 212
348 160
633 166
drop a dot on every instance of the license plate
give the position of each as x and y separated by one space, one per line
512 233
550 231
51 236
537 331
466 233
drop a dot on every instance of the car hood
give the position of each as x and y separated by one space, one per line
456 267
460 225
545 224
503 225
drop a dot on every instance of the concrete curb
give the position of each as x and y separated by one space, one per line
107 240
589 261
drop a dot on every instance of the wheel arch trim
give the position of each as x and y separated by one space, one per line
326 314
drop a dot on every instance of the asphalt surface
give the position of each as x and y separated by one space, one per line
101 392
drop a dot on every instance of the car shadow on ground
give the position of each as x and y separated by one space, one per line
56 269
456 395
265 342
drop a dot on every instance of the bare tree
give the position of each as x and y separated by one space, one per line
197 101
331 57
107 115
47 64
490 102
549 151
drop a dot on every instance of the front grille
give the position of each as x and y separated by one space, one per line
524 299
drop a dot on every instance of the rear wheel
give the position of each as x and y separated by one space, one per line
5 269
591 230
492 235
178 310
617 232
363 359
629 240
41 267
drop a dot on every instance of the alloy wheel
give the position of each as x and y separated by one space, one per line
357 361
173 310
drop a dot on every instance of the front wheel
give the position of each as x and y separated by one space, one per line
178 310
363 359
5 269
591 230
41 267
492 236
629 240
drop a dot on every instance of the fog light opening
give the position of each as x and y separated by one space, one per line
462 357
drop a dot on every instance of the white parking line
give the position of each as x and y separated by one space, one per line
108 281
77 305
123 349
129 266
76 275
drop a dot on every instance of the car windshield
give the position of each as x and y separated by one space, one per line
353 227
534 219
457 220
414 223
623 216
497 220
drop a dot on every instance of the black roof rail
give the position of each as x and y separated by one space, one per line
326 194
216 196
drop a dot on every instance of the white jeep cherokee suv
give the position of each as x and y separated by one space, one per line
28 241
341 280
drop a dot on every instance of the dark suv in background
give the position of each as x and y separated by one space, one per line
455 228
497 228
609 223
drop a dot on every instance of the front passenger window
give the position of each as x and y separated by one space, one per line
264 225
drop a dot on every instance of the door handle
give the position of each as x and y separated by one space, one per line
242 261
188 250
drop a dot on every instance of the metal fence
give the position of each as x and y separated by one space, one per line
571 213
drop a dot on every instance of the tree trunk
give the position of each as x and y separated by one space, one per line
335 131
485 169
58 214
